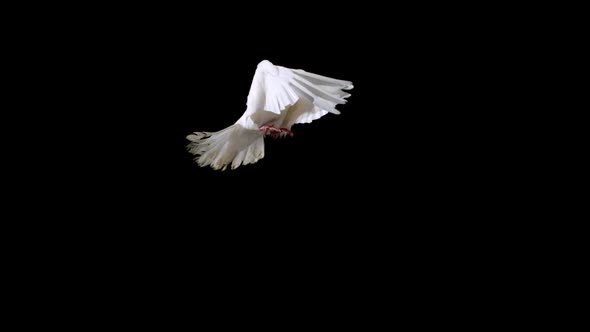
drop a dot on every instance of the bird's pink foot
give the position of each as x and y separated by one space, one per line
275 132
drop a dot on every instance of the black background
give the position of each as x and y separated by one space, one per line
394 188
389 201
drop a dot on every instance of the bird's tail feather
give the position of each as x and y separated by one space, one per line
234 145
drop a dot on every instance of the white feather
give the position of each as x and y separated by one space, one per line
279 97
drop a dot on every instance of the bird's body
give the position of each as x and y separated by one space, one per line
279 98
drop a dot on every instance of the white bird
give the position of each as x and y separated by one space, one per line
279 98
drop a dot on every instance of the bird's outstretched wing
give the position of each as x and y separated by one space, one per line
297 95
279 98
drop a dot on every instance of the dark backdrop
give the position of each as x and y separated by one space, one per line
383 186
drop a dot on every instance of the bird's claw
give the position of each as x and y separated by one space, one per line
275 132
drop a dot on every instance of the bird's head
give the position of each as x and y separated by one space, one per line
267 67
